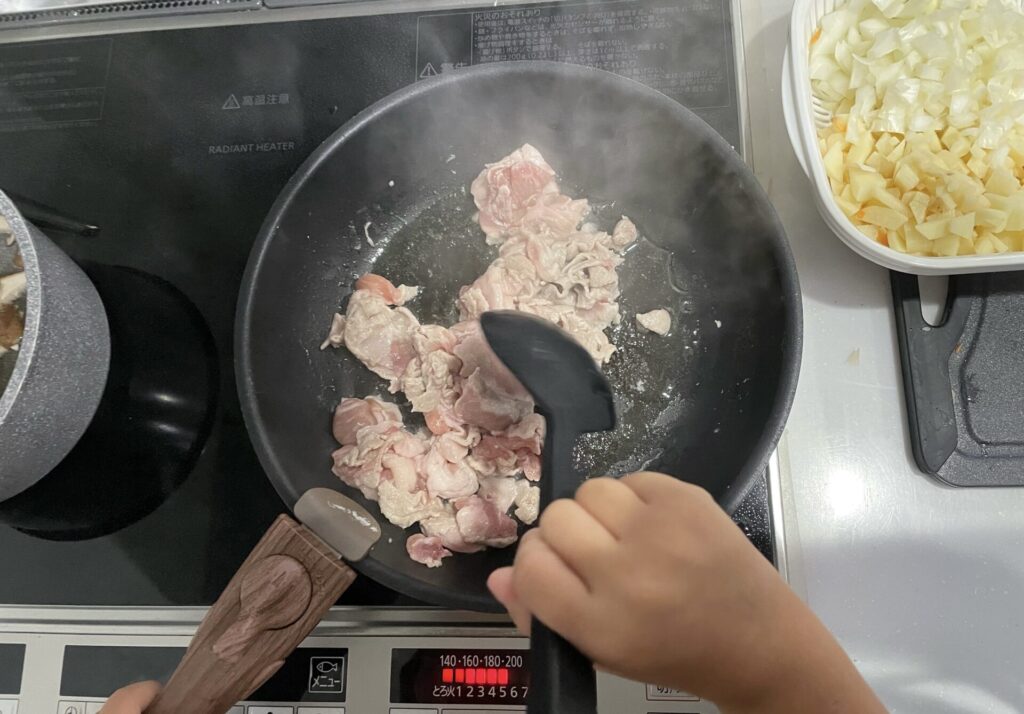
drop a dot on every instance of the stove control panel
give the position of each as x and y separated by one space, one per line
352 674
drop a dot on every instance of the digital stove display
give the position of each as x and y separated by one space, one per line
446 676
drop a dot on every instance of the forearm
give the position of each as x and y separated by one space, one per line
811 674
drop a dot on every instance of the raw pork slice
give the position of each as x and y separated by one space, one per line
506 190
477 458
379 335
428 550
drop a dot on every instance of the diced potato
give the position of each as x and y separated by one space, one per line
1000 202
882 217
906 178
1015 219
969 199
1002 182
978 167
992 219
950 137
934 229
1017 151
999 245
898 151
834 162
983 245
960 148
928 164
929 181
946 158
885 144
848 207
948 245
861 150
962 226
917 243
880 164
864 182
919 206
887 198
897 241
870 231
919 155
1014 240
947 201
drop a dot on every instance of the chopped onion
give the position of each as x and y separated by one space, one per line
926 149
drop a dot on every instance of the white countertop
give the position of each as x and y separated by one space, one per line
923 584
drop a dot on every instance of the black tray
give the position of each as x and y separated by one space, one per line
964 379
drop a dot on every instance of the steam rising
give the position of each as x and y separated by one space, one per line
615 154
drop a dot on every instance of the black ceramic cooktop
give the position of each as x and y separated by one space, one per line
176 143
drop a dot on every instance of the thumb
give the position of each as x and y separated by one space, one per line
500 585
132 699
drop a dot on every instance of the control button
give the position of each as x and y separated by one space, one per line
413 711
667 694
481 711
8 706
270 710
321 710
236 710
71 707
93 707
326 675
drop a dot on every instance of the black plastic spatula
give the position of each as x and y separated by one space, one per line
574 397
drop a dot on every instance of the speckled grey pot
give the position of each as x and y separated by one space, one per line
62 364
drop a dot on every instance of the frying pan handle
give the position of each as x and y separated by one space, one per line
562 679
278 595
46 218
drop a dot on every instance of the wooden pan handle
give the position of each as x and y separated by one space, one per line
277 596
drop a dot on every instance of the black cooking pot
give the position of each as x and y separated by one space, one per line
155 409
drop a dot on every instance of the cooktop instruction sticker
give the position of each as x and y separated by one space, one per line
48 85
682 48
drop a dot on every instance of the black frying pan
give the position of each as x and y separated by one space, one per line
707 403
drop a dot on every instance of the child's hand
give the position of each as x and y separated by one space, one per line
132 699
653 581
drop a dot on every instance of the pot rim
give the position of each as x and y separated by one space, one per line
33 304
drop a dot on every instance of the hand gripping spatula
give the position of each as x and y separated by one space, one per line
574 397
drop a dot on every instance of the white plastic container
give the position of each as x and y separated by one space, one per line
802 109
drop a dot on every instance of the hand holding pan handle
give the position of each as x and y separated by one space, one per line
277 596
